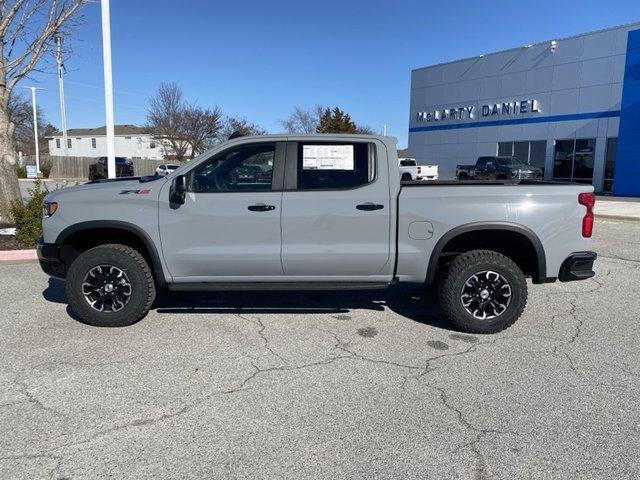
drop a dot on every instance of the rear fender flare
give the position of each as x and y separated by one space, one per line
541 261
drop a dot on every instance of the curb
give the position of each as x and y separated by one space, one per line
17 255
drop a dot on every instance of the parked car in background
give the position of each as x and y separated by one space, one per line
326 212
166 168
98 170
411 171
498 168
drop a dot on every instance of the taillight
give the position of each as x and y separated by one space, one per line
419 170
588 199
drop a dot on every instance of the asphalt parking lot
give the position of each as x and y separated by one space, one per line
326 385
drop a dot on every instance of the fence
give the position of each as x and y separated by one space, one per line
78 167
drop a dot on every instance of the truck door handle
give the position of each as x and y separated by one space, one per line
261 207
369 206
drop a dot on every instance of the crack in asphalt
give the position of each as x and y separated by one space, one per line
611 256
31 399
559 349
481 471
478 434
262 335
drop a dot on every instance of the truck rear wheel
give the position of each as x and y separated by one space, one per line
483 291
406 177
110 286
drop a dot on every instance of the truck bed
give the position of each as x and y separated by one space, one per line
476 183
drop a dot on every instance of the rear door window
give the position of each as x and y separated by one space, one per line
334 166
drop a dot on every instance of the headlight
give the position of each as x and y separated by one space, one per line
49 208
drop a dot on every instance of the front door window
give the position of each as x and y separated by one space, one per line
246 168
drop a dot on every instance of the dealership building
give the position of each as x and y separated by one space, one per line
570 106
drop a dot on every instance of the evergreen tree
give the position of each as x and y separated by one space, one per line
335 121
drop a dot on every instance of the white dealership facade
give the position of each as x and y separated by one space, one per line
558 105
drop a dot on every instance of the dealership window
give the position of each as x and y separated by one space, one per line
609 164
530 152
538 154
248 168
93 143
68 143
57 143
323 166
573 160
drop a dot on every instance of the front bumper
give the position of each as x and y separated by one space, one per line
577 266
49 258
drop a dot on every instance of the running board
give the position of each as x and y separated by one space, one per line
270 286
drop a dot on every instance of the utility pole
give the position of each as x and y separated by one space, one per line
108 89
35 124
63 113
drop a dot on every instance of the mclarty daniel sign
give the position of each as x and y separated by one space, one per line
469 112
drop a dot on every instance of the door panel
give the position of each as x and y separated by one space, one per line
225 228
336 232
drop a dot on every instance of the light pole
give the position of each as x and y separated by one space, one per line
63 113
384 130
108 89
35 124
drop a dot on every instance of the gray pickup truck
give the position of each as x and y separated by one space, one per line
313 212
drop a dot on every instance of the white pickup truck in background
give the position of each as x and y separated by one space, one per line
411 171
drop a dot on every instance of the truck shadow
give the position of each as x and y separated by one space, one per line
416 303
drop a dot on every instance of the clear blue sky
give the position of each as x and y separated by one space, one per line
260 59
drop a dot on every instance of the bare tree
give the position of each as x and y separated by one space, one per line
202 127
166 120
27 30
184 129
241 126
365 130
303 121
21 116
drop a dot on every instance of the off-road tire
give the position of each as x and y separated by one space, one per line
127 259
464 266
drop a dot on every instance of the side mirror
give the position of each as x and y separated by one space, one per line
178 190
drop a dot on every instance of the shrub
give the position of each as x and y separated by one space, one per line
21 171
28 216
45 169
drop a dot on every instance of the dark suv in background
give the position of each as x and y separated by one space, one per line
98 170
498 168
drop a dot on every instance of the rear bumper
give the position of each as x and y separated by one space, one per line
49 258
577 266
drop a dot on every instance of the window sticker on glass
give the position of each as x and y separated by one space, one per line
327 157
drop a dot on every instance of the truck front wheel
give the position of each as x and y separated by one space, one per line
110 286
483 291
